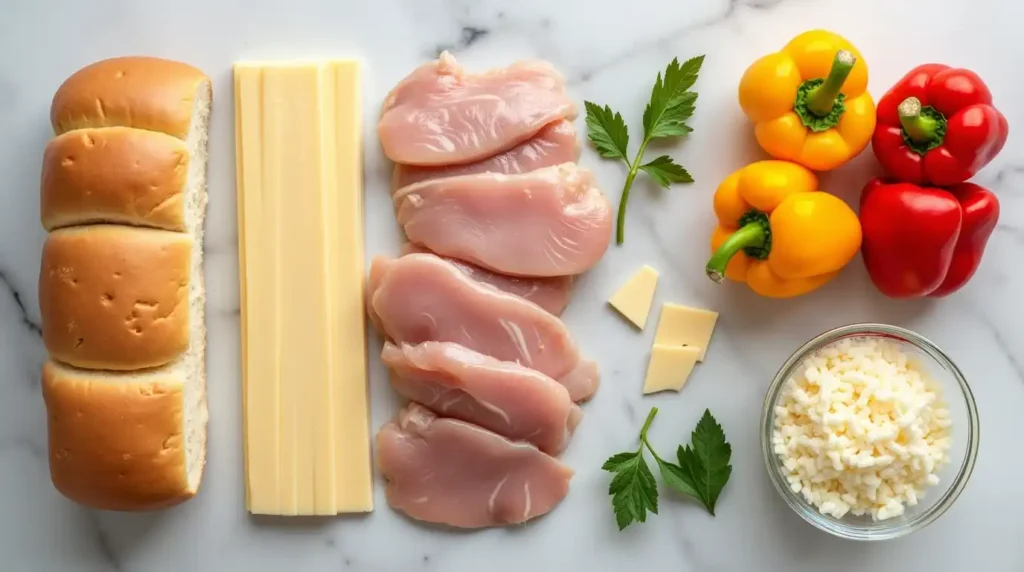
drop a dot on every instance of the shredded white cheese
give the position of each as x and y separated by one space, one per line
861 428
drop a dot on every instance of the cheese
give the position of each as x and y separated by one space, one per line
633 299
685 326
861 428
300 219
669 367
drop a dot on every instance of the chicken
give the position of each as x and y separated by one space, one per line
551 293
549 222
555 144
447 471
501 396
440 115
422 298
582 381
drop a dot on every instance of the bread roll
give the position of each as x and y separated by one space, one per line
140 92
126 441
152 96
122 305
115 297
115 174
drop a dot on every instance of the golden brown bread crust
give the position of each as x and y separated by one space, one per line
115 297
132 91
116 445
114 174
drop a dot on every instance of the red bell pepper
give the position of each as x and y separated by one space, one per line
937 126
924 241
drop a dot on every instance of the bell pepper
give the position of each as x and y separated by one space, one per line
937 126
924 241
778 233
809 102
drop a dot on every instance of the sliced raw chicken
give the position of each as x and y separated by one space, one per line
423 298
555 144
505 397
582 381
551 293
447 471
441 115
549 222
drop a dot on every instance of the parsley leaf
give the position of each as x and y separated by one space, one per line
665 171
677 478
670 97
673 120
712 453
608 131
671 105
704 465
702 472
633 489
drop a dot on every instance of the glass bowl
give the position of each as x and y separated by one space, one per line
964 434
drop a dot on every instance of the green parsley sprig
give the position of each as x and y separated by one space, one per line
701 473
671 105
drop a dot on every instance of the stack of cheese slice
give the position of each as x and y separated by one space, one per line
298 151
121 283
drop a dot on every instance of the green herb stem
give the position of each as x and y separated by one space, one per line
620 222
647 424
643 436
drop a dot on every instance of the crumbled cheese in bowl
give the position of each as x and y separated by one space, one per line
861 428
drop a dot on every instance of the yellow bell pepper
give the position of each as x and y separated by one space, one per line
778 233
809 102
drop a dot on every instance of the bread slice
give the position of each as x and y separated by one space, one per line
149 97
129 168
117 175
126 440
133 91
116 297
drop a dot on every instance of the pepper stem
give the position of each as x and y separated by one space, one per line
919 127
822 98
753 234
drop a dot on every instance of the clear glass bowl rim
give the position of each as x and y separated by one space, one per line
880 531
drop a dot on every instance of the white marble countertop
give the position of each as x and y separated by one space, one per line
610 51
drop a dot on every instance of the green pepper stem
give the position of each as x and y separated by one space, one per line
752 234
920 128
821 99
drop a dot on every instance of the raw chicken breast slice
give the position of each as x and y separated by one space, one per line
549 222
505 397
582 381
555 144
447 471
551 293
441 115
423 298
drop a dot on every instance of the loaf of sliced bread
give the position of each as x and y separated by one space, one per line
121 289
